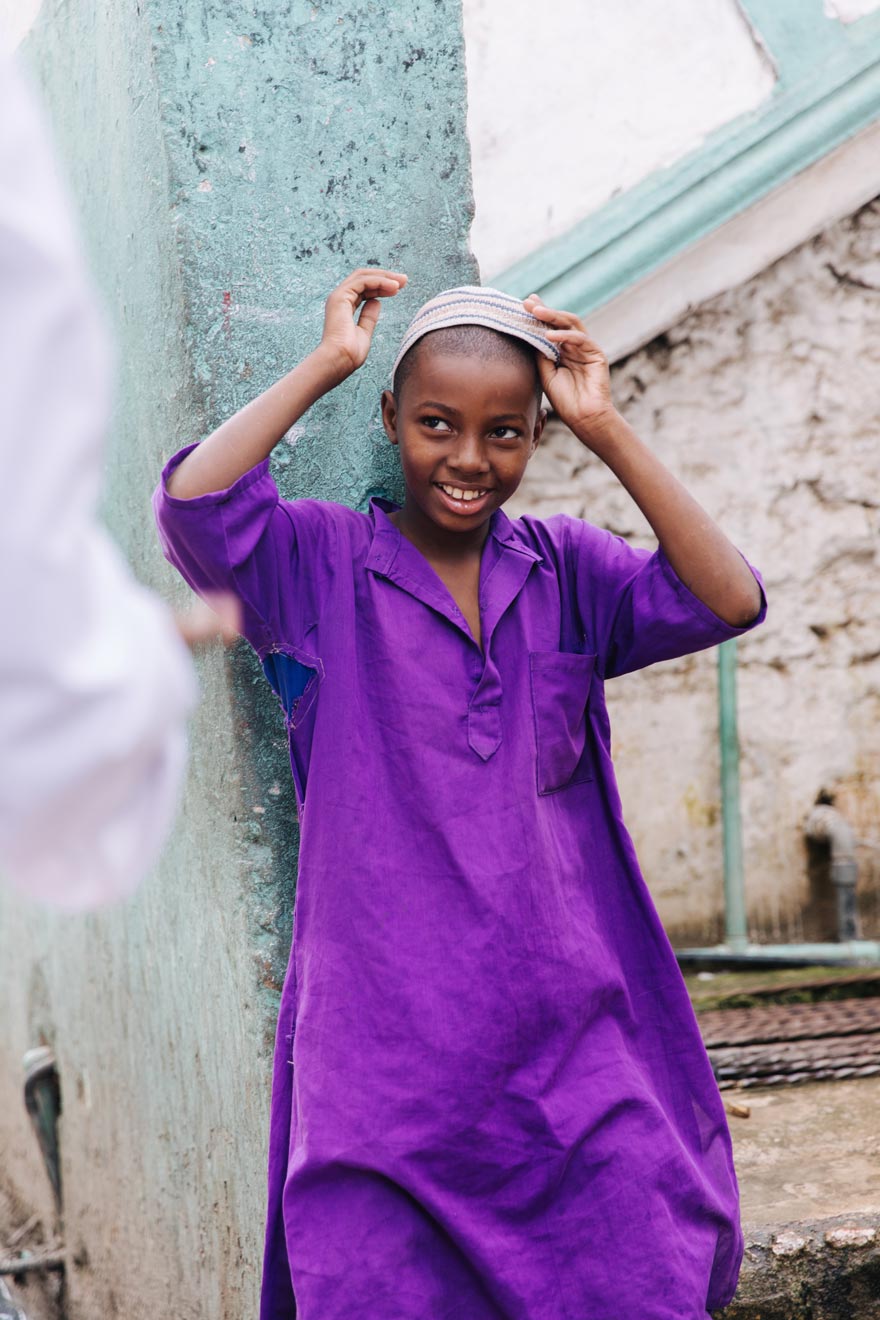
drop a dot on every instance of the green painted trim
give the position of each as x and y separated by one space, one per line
798 36
735 930
819 102
855 953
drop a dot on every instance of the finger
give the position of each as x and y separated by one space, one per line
546 371
554 317
380 270
353 291
217 618
370 277
228 610
350 297
369 315
568 336
573 348
572 337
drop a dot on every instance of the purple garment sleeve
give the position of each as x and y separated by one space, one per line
635 608
276 556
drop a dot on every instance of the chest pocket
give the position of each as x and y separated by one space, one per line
560 683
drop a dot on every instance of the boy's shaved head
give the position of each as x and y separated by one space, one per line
474 341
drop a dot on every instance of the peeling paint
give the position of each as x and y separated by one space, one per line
764 400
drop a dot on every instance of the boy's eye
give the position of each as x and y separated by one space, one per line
435 423
505 433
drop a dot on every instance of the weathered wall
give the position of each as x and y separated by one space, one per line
765 401
567 109
232 163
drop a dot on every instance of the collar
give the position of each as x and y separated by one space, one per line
504 568
387 540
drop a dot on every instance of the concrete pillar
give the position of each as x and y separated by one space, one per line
232 162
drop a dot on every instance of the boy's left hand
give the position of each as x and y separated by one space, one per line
579 385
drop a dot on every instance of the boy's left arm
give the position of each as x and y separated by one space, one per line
578 387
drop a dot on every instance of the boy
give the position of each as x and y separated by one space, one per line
499 1106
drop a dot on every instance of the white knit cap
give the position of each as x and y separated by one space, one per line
472 305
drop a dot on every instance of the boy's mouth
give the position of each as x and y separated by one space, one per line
463 499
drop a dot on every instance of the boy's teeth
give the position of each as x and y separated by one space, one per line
458 494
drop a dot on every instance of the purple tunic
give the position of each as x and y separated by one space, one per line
496 1104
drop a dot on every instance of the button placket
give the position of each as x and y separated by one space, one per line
484 712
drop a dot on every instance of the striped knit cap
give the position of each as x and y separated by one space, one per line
472 305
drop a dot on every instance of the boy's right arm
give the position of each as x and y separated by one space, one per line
252 433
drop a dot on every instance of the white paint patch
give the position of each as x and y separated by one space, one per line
850 11
861 1235
569 106
834 187
788 1244
17 17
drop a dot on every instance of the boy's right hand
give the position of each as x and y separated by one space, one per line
346 340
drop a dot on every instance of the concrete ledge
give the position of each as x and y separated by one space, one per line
829 1270
808 1162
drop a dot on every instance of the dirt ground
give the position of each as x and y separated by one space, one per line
38 1296
809 1151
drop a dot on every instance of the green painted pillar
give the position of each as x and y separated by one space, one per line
305 139
231 162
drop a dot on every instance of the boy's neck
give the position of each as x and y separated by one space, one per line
436 543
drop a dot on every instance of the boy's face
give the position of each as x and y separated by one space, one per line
466 427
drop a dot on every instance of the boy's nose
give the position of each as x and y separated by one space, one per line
469 456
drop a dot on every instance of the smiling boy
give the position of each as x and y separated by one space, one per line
499 1106
465 435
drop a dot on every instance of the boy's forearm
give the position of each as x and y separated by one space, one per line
702 556
252 433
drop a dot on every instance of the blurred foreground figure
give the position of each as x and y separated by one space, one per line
95 679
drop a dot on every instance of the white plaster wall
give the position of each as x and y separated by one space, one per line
569 104
850 11
765 401
17 17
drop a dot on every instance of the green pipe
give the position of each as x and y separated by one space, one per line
854 953
736 933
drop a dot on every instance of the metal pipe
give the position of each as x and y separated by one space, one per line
36 1264
735 928
853 953
825 824
42 1098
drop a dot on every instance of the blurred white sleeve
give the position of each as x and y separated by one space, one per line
95 683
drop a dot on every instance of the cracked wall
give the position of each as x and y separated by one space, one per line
231 163
765 401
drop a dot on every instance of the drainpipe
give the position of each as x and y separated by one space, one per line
42 1096
735 930
825 824
42 1099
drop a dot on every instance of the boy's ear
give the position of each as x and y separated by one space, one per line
389 415
540 423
